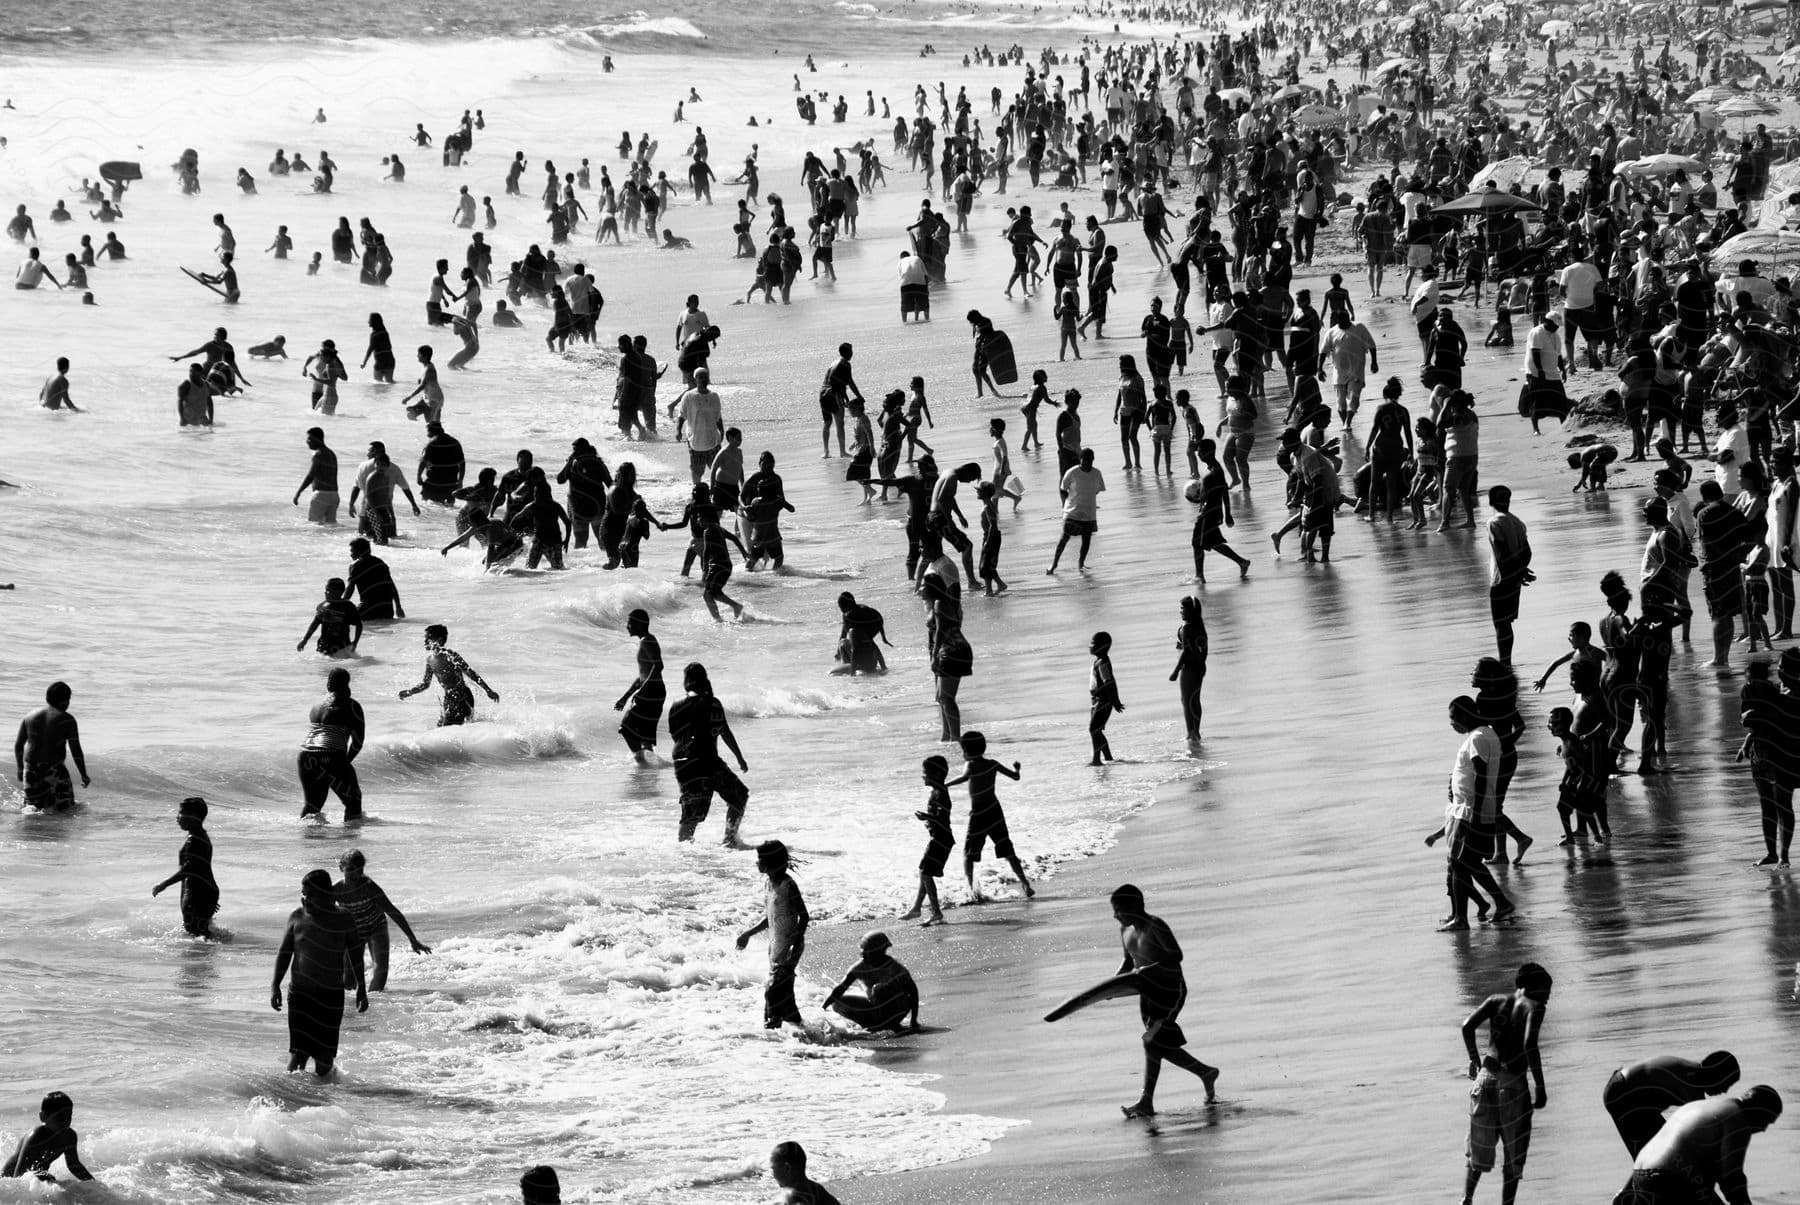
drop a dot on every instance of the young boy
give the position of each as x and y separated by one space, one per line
1040 396
199 890
447 666
989 568
785 918
1756 596
891 999
1154 956
369 908
1581 649
1103 696
1196 431
939 840
986 819
333 620
1592 462
50 1141
918 410
1575 795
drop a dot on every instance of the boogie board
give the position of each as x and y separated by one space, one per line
1106 989
205 284
120 169
999 352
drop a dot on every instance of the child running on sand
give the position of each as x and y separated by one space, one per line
939 840
986 819
1040 396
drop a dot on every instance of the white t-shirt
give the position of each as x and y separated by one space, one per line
701 415
1737 442
1083 488
1484 744
1578 281
1544 346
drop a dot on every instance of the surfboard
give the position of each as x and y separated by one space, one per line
205 284
121 169
1106 989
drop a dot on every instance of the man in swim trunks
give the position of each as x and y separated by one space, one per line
442 466
1703 1145
47 737
448 667
1511 571
320 937
1154 956
321 475
54 395
329 751
368 578
369 908
1636 1096
1500 1107
891 999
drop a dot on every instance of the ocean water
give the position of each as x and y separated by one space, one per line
584 1005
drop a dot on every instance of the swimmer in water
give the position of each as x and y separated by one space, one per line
333 620
447 666
199 890
274 349
647 692
501 542
54 395
47 737
369 907
327 754
53 1139
787 1164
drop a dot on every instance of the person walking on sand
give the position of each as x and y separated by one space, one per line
194 870
1081 489
1511 571
1471 816
1214 498
1153 958
369 908
785 918
47 738
320 938
1499 1107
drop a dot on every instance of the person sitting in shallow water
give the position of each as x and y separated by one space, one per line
505 317
890 999
674 242
53 1139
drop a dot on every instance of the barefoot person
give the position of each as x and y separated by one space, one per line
1500 1107
53 1139
890 998
320 937
1702 1147
447 666
1153 958
330 748
47 738
1637 1096
939 840
1511 571
369 908
785 918
986 819
1081 489
199 890
647 692
1190 666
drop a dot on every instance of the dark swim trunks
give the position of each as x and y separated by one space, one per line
1161 993
315 1015
48 787
984 823
324 770
1503 602
457 705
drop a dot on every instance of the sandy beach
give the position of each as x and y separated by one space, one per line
585 969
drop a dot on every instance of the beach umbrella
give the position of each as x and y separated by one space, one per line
1660 165
1383 9
1489 202
1317 116
1712 94
1232 96
1789 57
1745 106
1556 28
1503 172
1420 9
1759 245
1294 90
1393 65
